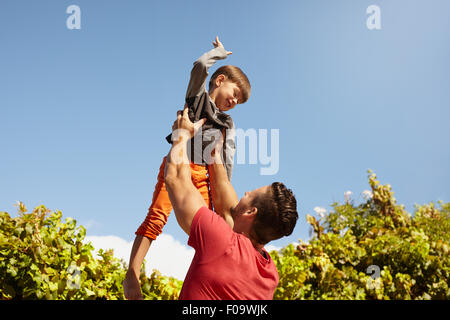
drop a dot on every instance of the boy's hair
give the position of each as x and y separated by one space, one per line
235 75
277 214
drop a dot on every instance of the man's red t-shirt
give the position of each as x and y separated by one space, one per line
226 266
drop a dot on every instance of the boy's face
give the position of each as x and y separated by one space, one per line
227 95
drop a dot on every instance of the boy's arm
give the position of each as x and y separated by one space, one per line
199 72
131 285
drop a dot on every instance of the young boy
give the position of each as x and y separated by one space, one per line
228 87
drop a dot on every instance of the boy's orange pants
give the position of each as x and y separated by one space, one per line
161 206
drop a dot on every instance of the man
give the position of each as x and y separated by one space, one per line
230 261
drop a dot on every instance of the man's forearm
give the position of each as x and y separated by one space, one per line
222 192
185 198
177 164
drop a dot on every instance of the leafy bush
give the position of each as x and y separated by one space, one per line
42 257
375 250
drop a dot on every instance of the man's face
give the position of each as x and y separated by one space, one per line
245 203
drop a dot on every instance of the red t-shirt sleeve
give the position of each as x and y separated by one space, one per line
210 234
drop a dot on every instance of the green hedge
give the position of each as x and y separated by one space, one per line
373 250
42 257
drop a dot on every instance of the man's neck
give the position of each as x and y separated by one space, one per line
256 245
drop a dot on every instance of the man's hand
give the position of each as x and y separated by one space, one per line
217 43
183 126
216 153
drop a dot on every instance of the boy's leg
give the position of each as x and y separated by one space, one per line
159 210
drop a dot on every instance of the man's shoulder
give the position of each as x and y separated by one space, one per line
205 215
209 231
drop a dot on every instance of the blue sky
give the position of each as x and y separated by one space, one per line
84 113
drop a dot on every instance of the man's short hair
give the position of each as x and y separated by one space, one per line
277 214
235 75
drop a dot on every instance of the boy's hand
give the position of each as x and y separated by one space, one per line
131 287
217 43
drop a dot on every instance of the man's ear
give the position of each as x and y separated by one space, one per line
252 212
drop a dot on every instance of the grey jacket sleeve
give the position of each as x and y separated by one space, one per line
199 72
229 150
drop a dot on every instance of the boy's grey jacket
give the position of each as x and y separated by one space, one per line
201 106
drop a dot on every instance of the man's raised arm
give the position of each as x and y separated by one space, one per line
185 198
223 194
